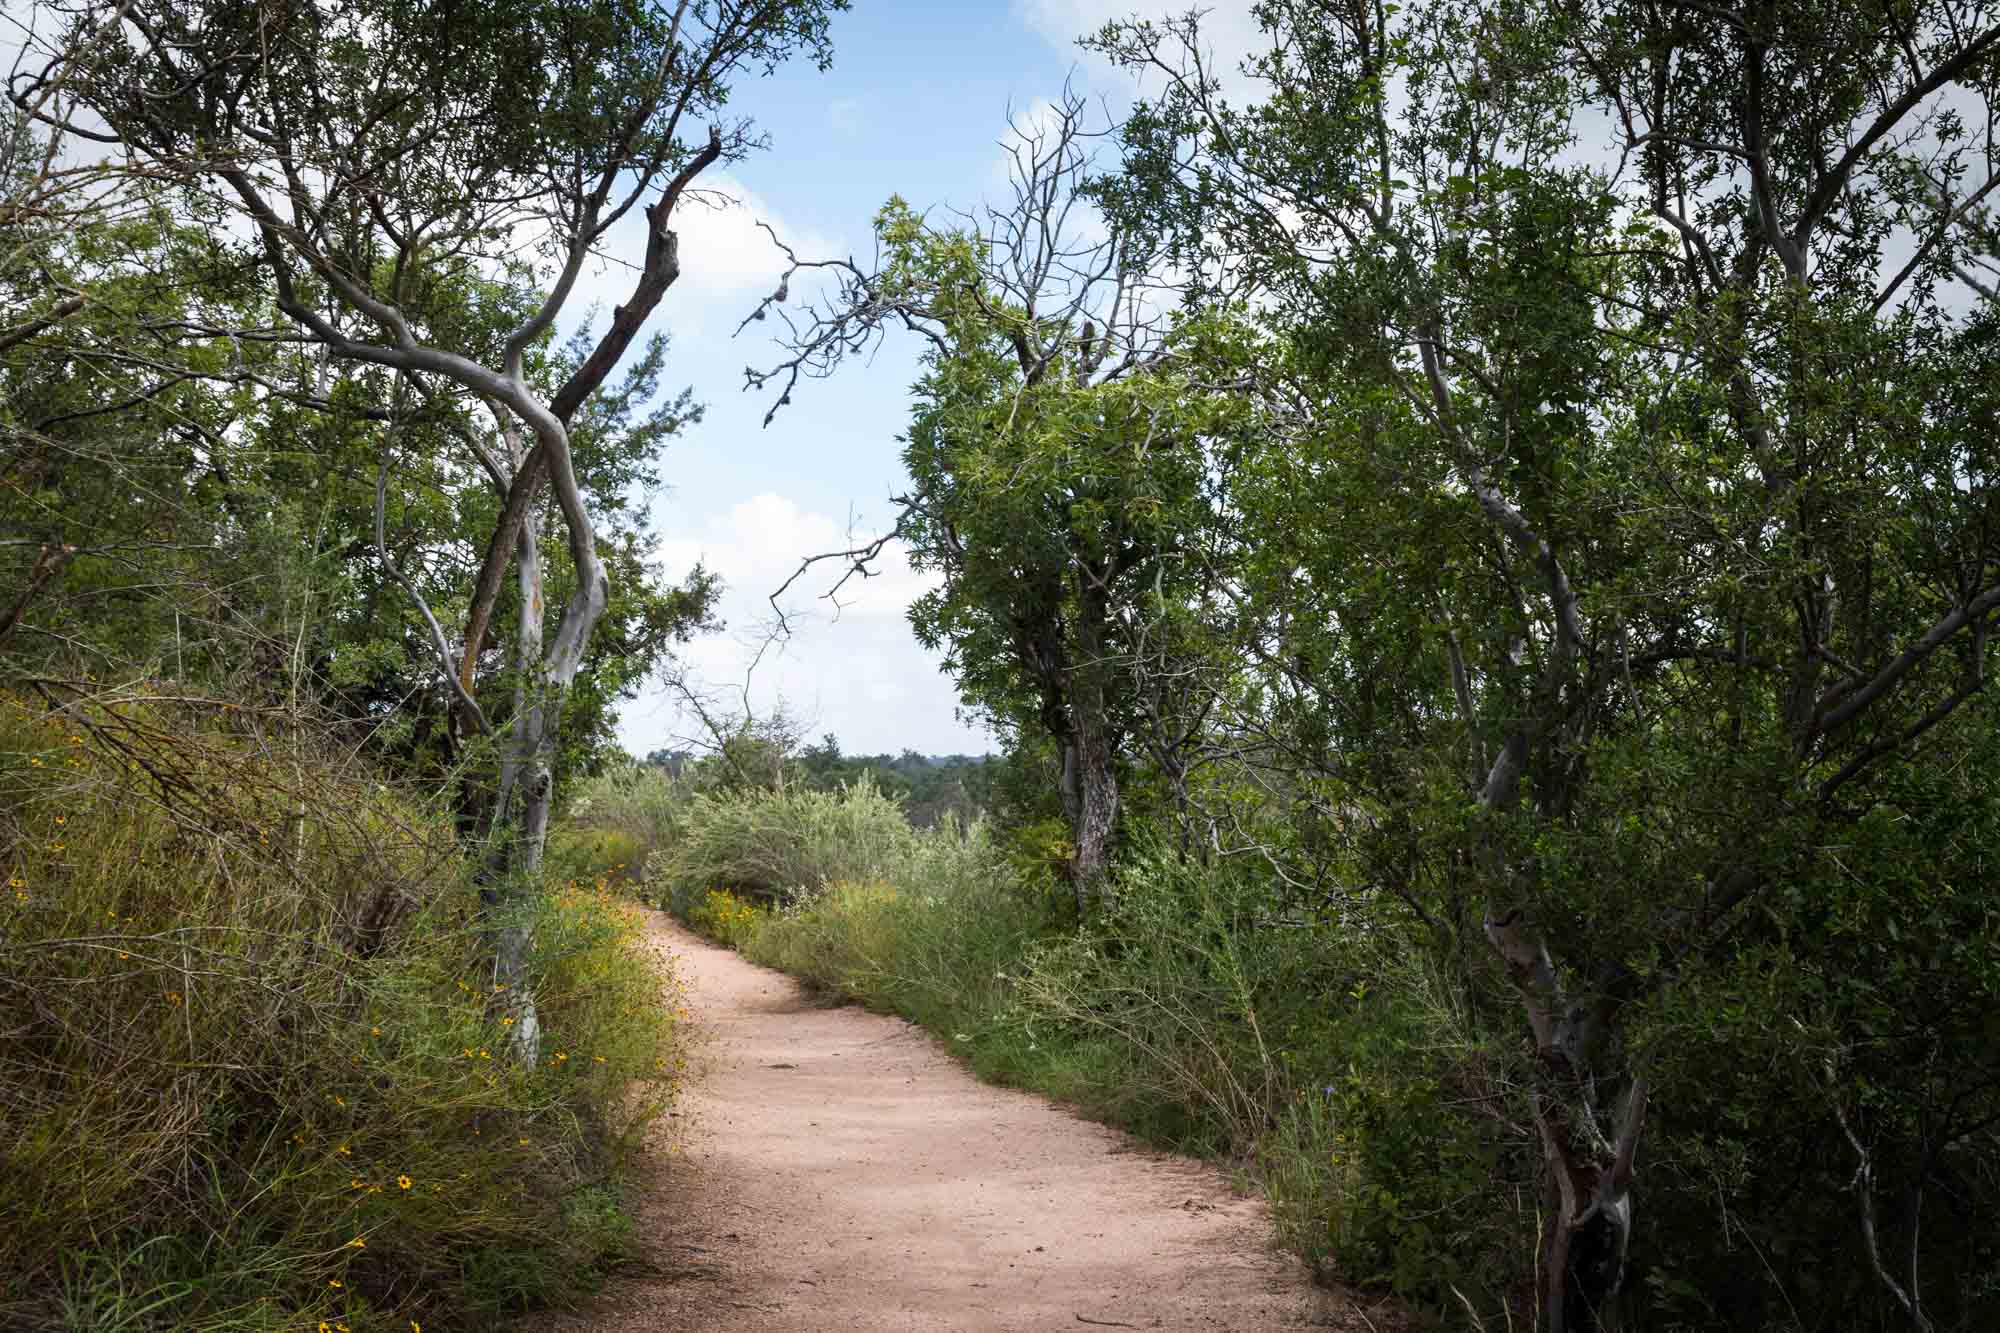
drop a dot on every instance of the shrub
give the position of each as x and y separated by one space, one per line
776 845
726 918
934 944
618 818
589 854
251 1076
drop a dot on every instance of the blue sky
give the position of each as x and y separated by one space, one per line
916 104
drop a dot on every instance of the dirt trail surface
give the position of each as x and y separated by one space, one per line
836 1171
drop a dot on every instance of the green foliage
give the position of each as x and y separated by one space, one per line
777 845
622 816
725 918
933 941
1206 1016
1308 1044
255 1075
930 790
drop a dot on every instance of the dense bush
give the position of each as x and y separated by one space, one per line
250 1074
616 822
774 845
1208 1013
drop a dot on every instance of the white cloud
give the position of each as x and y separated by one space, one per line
1229 30
855 670
728 261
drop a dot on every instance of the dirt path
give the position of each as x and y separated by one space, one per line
836 1171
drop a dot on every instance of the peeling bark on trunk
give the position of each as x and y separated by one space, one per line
1589 1169
518 828
525 783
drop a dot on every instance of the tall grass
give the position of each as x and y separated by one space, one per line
251 1076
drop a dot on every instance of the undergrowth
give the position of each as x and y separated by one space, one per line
1201 1015
251 1072
771 846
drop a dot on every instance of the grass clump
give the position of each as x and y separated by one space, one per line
775 845
252 1075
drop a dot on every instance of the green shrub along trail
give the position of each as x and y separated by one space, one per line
1343 1074
254 1075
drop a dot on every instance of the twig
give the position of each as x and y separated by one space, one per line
46 564
438 642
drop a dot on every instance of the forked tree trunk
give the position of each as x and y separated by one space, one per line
519 828
1587 1163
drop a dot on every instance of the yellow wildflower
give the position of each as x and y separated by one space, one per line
335 1283
403 1182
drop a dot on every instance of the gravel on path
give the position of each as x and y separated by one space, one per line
835 1170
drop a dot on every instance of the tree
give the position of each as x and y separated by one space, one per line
1059 451
1719 559
379 155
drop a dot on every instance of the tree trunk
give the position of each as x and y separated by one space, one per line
520 816
1589 1171
1096 818
1585 1244
1093 752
